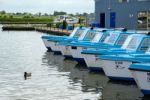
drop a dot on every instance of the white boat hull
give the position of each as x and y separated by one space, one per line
46 43
117 70
54 46
142 79
76 53
65 50
92 62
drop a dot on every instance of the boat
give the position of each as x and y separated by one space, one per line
141 75
113 43
116 66
50 41
85 38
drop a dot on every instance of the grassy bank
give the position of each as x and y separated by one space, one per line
6 19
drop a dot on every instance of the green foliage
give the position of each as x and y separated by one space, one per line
11 16
58 24
81 19
25 19
2 12
65 24
59 13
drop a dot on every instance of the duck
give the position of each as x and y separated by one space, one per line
26 75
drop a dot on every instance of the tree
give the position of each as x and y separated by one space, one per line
64 24
45 14
59 13
11 16
18 13
39 14
84 14
79 21
3 12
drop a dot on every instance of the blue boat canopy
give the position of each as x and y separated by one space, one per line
140 67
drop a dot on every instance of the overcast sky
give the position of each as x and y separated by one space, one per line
47 6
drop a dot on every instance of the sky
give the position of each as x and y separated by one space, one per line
47 6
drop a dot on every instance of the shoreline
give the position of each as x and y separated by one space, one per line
44 29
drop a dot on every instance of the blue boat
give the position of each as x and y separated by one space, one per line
116 66
108 42
141 75
112 41
51 40
92 36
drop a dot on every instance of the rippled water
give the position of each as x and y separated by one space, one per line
53 77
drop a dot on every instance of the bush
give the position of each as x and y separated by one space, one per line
65 24
10 16
58 24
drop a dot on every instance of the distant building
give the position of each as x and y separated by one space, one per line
69 19
132 14
90 18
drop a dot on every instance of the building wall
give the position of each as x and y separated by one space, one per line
126 12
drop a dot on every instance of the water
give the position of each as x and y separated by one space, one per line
53 77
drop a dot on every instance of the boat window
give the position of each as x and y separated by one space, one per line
122 39
134 43
145 44
89 36
81 37
76 33
97 37
111 39
125 44
103 38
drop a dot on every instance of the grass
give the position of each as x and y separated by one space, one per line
25 19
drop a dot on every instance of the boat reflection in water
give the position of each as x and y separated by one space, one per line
89 85
117 90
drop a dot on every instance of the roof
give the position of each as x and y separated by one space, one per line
140 67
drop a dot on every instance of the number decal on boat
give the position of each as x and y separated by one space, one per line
119 65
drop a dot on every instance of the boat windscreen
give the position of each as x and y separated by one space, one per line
145 45
97 37
133 43
125 44
78 33
87 36
111 38
122 39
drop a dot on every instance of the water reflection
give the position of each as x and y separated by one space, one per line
96 84
53 77
121 91
79 77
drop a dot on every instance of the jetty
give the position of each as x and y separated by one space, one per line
39 28
53 31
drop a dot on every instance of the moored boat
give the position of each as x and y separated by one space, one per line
113 43
85 38
51 40
116 66
141 74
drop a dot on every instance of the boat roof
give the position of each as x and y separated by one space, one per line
140 67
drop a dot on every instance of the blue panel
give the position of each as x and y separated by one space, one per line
112 19
121 78
95 69
57 52
68 57
49 48
80 60
146 92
